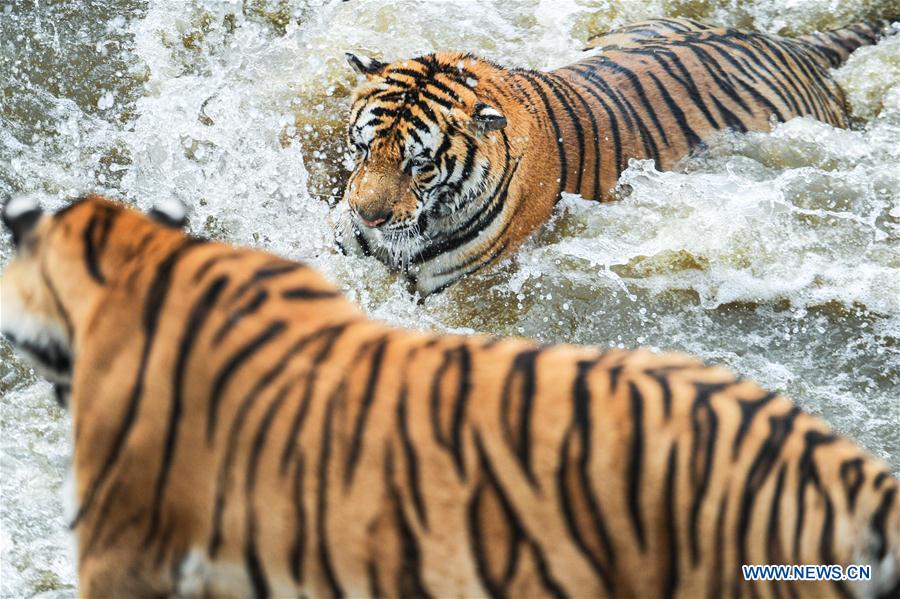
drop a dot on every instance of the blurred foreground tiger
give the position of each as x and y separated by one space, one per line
242 428
460 159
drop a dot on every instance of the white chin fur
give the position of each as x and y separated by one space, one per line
27 332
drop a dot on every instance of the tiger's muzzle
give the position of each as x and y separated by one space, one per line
379 198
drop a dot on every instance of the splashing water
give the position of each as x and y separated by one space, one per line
776 254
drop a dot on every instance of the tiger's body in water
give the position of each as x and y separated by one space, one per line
242 428
459 159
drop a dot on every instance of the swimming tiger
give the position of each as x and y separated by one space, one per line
458 160
240 428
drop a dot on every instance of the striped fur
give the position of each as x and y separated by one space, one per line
438 193
241 428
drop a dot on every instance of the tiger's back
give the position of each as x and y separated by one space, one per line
660 88
241 428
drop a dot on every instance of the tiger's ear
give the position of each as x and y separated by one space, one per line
487 118
171 213
20 215
364 65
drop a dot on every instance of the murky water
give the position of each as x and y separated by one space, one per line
777 254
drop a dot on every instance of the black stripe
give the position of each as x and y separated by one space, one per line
662 379
156 297
247 351
732 121
298 547
685 79
852 477
690 136
704 428
780 428
214 260
322 504
614 373
632 119
410 457
879 523
305 293
635 463
415 75
589 87
774 550
807 78
252 563
635 82
262 432
425 93
375 590
725 79
356 441
452 441
552 82
445 89
576 93
670 585
496 588
759 72
331 335
409 578
581 424
828 102
236 315
551 115
718 554
808 475
518 434
543 570
780 66
96 236
269 271
198 316
749 411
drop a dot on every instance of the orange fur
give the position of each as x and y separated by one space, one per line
240 427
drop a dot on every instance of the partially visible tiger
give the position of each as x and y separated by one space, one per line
242 428
460 159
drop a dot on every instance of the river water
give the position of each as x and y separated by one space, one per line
777 254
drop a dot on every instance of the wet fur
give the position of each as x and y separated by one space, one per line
657 90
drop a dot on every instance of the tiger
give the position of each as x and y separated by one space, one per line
242 428
458 160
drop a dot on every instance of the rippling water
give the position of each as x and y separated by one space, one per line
776 254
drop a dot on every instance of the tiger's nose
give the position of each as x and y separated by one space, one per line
373 217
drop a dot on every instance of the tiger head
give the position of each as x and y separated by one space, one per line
55 280
429 144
